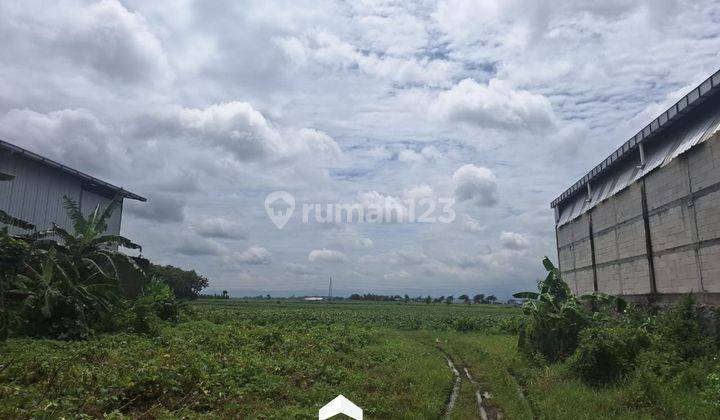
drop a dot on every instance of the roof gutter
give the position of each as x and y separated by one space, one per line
87 178
705 90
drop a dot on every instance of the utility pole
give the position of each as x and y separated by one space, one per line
330 289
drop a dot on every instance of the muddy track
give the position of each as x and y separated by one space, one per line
461 373
522 392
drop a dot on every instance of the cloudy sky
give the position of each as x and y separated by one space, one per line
207 107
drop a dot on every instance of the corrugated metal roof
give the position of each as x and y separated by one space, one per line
706 89
657 154
85 177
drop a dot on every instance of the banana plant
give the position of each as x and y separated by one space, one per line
554 317
553 289
89 249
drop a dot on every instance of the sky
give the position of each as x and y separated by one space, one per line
482 110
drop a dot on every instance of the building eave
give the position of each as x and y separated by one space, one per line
90 180
667 119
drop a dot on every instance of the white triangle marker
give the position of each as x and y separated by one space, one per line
340 405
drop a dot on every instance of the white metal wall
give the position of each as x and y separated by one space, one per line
36 194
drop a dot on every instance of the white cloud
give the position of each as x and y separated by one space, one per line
495 105
426 154
206 109
471 225
513 240
329 50
102 36
240 129
255 255
418 192
380 208
475 184
72 136
326 256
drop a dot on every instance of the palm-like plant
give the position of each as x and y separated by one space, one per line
89 249
12 255
74 280
556 317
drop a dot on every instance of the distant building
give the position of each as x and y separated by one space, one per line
36 193
645 222
314 298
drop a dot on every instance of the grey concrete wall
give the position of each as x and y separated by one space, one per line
673 245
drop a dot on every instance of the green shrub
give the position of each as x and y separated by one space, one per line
710 393
551 332
680 331
141 317
163 300
604 354
146 313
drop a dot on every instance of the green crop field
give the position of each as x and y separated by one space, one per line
285 359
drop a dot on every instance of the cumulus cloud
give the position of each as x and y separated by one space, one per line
426 154
327 49
513 240
240 129
475 184
469 224
74 137
169 106
326 256
103 36
380 208
495 105
218 227
255 255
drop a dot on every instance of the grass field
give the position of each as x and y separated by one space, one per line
268 359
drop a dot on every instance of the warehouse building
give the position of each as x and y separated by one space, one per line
645 222
36 193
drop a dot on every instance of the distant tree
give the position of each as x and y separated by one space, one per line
480 298
491 298
184 284
449 299
428 300
464 298
225 294
407 298
268 297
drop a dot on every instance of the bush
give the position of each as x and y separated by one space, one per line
552 333
164 304
146 313
604 354
184 284
680 331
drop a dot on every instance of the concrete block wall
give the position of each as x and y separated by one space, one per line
682 220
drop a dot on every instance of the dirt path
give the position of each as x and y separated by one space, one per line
461 373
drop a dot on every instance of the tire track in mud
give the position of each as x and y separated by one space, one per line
485 412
